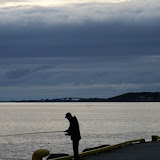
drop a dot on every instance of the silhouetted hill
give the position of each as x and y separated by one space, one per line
136 97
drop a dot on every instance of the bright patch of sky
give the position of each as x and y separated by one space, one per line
60 12
14 3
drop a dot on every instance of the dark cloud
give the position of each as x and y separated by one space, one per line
88 40
81 30
82 77
17 73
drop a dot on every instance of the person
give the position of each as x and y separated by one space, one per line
74 132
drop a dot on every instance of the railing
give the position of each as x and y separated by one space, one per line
63 158
97 151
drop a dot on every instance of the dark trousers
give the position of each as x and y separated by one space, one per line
75 149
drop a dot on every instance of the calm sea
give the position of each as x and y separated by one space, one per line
100 123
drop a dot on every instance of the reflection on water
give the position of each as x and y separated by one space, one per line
100 123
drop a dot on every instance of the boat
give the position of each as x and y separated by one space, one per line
130 150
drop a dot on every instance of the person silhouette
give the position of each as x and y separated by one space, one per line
74 132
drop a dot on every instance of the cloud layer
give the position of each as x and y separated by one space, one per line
36 78
126 12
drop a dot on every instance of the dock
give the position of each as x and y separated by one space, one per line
130 150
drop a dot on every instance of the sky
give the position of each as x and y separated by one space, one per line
78 48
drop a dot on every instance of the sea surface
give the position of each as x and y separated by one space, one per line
100 123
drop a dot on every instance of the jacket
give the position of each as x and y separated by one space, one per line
73 129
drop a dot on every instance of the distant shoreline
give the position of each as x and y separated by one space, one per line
81 102
127 97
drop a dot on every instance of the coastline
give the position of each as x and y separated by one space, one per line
127 97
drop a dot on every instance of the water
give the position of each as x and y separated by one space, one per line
100 123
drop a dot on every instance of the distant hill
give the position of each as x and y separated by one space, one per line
127 97
136 97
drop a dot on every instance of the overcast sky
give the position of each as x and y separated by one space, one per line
78 48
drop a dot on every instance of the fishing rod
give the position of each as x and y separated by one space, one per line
28 133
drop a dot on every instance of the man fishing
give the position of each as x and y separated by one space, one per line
74 132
